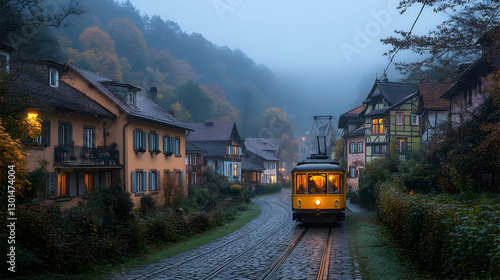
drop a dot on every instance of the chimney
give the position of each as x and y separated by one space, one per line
153 93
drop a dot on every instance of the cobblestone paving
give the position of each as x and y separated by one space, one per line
250 252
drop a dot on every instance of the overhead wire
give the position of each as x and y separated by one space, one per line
408 35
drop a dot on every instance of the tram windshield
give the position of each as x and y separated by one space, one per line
318 183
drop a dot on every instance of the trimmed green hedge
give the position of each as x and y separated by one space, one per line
454 238
267 188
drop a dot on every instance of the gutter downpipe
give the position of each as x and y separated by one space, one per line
131 119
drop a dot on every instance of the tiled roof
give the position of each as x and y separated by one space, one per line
430 93
352 114
356 132
145 108
247 165
261 154
211 131
395 92
192 148
264 144
63 98
213 148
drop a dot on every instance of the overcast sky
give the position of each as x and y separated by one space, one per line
327 50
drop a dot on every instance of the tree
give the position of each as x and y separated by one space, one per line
100 43
19 17
454 41
222 110
129 41
194 100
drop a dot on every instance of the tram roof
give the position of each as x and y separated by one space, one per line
318 165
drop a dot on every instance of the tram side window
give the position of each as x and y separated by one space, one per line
301 183
334 184
317 183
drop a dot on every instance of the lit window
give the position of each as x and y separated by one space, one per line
62 184
378 126
53 78
89 182
401 144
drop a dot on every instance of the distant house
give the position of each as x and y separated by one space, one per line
223 144
98 132
353 134
391 120
472 84
265 158
431 108
195 163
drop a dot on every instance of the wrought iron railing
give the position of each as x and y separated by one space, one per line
79 155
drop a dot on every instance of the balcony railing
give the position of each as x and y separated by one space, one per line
78 155
232 157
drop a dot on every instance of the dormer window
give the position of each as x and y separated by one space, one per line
130 98
53 77
5 61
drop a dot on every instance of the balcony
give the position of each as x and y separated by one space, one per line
232 157
83 156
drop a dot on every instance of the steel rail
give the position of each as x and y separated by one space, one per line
285 255
237 238
325 260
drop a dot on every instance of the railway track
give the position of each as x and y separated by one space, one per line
164 270
325 260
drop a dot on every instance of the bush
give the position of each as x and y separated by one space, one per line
148 203
443 234
267 188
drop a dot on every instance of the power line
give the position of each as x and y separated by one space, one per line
408 35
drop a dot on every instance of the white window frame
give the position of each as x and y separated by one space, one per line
415 119
53 77
400 120
360 147
352 172
352 147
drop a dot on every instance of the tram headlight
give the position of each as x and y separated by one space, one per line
336 202
298 202
318 202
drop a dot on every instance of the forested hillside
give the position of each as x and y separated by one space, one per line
195 78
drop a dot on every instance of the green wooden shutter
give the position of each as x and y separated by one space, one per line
135 140
158 184
172 145
134 182
144 179
143 133
164 144
157 142
81 183
46 133
73 181
52 185
150 142
150 176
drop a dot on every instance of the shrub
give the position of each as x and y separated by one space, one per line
444 234
236 190
267 188
147 203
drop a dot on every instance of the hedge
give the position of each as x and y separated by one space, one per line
454 238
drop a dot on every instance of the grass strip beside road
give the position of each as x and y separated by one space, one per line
377 257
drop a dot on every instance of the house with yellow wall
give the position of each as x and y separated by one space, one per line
99 132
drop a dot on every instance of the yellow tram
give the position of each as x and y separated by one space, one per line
318 190
319 183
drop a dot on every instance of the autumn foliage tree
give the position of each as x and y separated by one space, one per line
99 53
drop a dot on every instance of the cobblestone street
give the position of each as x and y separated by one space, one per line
252 251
